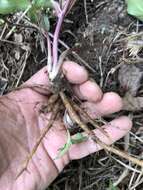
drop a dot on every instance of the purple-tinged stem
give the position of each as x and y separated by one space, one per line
60 41
57 8
56 34
49 59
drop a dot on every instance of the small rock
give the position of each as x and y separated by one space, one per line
131 103
130 77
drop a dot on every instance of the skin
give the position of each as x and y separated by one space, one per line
21 125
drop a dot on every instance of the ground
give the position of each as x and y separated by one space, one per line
97 31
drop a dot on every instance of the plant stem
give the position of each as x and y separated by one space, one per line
49 59
56 7
56 38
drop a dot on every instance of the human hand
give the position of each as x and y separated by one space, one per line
21 125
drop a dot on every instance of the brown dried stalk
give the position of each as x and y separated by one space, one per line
39 140
90 120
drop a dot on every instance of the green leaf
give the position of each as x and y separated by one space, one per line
66 147
111 186
43 3
10 6
78 138
1 21
33 14
135 8
45 22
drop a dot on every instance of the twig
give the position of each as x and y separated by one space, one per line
122 177
126 166
11 42
3 31
90 120
26 54
83 61
39 140
101 71
136 137
86 14
19 19
71 5
133 187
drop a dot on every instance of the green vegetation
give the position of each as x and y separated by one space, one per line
35 7
135 8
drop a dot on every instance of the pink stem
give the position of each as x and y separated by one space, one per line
56 34
56 8
49 59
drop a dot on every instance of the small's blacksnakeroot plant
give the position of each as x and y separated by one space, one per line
60 8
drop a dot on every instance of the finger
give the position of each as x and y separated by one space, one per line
115 130
89 91
111 102
75 73
29 96
40 79
40 82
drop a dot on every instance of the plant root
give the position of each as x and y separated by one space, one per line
72 109
91 134
39 140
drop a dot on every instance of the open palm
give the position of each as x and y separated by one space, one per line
21 125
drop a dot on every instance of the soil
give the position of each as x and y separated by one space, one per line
95 33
